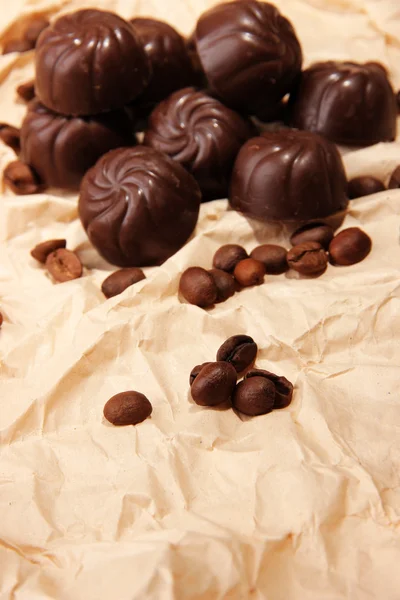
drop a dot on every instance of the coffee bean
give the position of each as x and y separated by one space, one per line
394 182
17 46
35 27
283 387
239 350
398 100
21 179
197 286
224 282
254 396
364 186
10 136
41 251
63 265
273 258
214 384
26 91
308 258
127 408
313 232
120 280
227 257
196 370
1 319
349 247
249 272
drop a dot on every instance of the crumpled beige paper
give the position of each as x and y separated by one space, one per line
301 504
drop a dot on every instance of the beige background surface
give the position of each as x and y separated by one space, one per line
301 504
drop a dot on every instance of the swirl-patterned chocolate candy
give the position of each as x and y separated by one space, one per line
89 62
138 206
289 175
249 53
61 149
347 102
202 134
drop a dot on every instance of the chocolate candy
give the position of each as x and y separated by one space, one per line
283 387
288 175
214 384
41 251
349 247
364 186
249 272
238 350
198 287
254 396
249 52
61 149
313 232
224 283
138 206
227 257
349 103
21 179
127 408
202 134
119 281
273 258
88 62
308 258
394 182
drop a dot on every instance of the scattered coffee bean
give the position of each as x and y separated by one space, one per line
63 265
308 258
254 396
364 186
239 350
283 387
249 272
273 258
42 250
313 232
120 280
1 319
394 182
197 286
349 247
214 384
21 179
227 257
17 46
196 370
26 91
10 136
224 282
34 29
127 408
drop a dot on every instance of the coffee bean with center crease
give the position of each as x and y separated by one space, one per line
254 396
308 258
41 251
197 286
313 232
63 265
26 91
249 272
239 350
17 46
120 280
364 186
196 370
227 257
10 135
21 179
349 247
283 387
214 384
127 408
224 282
394 182
273 258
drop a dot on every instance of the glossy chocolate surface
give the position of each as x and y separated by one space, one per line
61 149
349 103
138 206
249 52
89 62
288 175
200 133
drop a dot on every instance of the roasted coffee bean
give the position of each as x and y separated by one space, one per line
364 186
42 250
214 384
254 396
35 27
63 265
249 272
118 281
313 232
225 284
197 286
196 370
227 257
10 136
394 182
239 350
308 258
26 91
349 247
17 46
1 319
283 387
127 408
21 179
273 258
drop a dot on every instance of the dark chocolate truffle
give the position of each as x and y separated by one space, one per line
200 133
249 52
138 206
349 103
61 149
88 62
288 175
